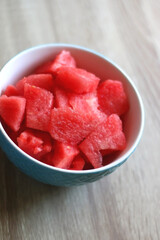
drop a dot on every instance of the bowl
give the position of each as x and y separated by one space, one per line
23 64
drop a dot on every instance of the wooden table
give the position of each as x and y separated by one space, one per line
126 204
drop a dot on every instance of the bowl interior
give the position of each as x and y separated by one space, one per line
25 62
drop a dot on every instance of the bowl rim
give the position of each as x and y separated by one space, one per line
109 166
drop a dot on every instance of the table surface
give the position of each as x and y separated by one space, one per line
125 204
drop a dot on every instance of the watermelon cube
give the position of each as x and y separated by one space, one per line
64 58
77 163
47 158
39 80
39 103
11 91
107 136
71 126
112 97
76 80
61 98
85 102
12 134
35 143
12 111
44 68
63 155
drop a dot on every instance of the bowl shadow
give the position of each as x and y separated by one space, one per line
22 196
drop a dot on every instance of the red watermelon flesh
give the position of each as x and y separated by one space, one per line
12 111
13 135
112 97
77 163
81 131
47 158
87 102
64 58
39 103
71 126
44 68
39 80
63 155
11 91
61 98
107 136
35 143
76 80
105 152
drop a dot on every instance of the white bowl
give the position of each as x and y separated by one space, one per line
23 64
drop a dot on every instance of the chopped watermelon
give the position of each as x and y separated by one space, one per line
64 58
61 98
71 126
12 134
12 111
39 103
47 158
76 80
63 155
77 163
11 91
107 136
64 116
39 80
35 143
105 152
44 68
85 102
112 97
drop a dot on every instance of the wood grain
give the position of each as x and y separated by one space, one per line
124 205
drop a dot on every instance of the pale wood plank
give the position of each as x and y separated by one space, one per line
124 205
